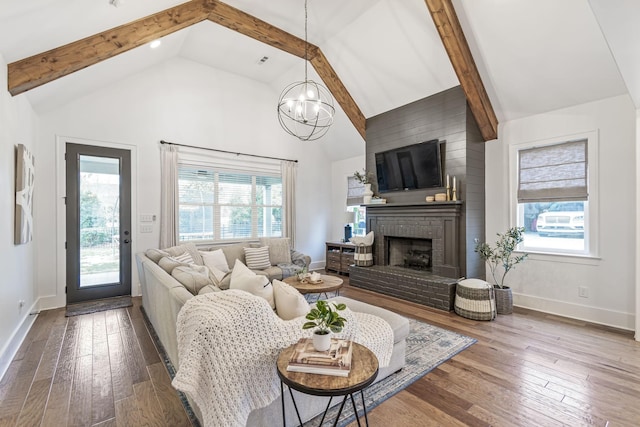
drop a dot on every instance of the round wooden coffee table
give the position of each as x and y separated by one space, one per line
364 370
327 284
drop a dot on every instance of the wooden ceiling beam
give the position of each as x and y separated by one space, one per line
250 26
45 67
455 43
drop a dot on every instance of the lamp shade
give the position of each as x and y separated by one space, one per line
349 217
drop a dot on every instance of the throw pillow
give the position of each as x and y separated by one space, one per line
155 254
185 258
279 249
257 258
193 277
215 259
289 302
169 263
186 247
246 280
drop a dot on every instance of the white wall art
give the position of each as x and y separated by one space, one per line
25 173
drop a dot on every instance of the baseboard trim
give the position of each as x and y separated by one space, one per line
616 319
318 265
11 348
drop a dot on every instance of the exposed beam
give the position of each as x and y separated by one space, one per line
341 94
250 26
45 67
455 43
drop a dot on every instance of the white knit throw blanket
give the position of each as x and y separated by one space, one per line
228 344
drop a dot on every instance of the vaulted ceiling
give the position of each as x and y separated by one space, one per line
533 56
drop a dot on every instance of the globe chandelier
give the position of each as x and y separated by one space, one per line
305 109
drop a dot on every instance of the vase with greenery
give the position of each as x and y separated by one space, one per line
365 178
501 259
324 317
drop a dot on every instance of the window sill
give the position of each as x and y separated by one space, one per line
569 258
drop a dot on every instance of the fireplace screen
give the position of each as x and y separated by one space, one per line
407 252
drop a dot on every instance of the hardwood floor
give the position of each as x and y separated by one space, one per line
526 369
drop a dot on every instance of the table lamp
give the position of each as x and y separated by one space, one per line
349 218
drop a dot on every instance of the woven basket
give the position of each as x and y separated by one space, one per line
475 299
504 300
363 257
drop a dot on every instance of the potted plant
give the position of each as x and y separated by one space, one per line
326 319
501 255
365 178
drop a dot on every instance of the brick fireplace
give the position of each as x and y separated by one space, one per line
416 252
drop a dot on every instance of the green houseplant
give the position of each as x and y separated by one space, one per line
324 317
501 255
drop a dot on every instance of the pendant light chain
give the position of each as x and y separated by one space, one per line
305 109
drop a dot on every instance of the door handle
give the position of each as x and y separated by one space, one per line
127 241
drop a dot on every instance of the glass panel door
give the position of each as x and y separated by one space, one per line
98 222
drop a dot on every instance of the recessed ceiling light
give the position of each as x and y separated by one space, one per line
154 44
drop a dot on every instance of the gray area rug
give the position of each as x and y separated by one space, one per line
98 305
427 347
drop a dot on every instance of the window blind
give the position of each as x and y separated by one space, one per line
553 172
355 192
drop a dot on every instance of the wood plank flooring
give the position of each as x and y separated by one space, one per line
527 369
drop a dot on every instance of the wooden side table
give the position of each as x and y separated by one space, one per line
364 370
329 284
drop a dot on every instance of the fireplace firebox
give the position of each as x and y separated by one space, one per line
413 253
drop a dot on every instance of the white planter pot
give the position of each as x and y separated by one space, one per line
366 198
322 342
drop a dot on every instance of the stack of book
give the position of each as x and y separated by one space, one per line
378 201
335 361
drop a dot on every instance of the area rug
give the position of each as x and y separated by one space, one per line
98 305
427 347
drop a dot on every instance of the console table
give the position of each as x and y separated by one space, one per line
339 256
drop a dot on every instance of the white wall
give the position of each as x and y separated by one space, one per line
340 171
18 124
183 102
550 283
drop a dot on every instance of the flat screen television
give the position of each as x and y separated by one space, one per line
410 168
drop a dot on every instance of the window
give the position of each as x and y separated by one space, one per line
554 192
355 194
216 204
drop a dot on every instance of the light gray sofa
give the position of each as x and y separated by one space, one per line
163 297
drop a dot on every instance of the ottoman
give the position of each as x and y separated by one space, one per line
475 299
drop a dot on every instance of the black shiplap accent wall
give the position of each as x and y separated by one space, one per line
443 116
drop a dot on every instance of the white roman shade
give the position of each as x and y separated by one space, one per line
553 172
355 192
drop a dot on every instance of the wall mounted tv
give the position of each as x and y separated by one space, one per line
411 167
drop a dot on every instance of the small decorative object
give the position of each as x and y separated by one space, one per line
349 218
453 194
326 319
25 173
430 198
502 256
448 188
315 277
301 275
441 197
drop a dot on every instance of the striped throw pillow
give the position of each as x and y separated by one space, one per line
185 257
257 258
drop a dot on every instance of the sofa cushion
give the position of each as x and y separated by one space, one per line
193 277
234 252
209 289
257 258
155 254
272 272
215 258
279 249
289 301
246 280
185 257
169 263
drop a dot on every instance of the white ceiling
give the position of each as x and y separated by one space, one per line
533 55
